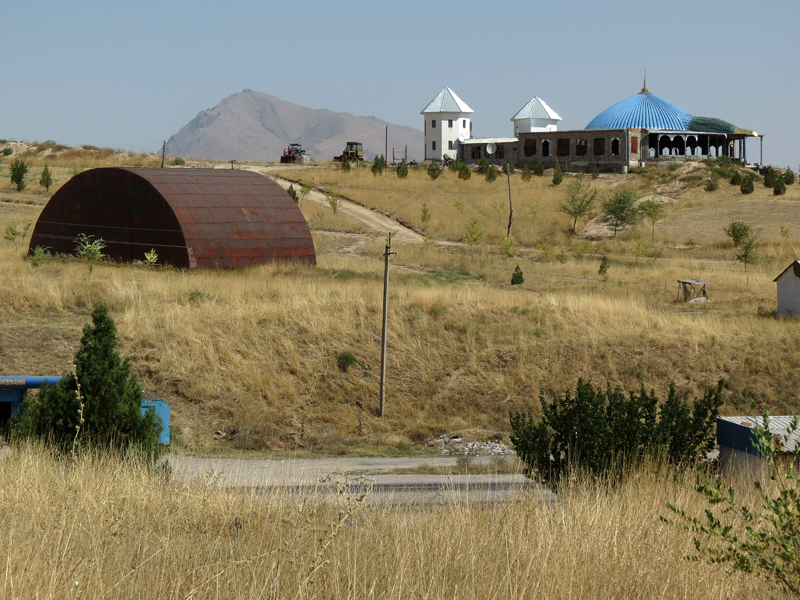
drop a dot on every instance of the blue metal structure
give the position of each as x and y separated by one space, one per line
643 110
13 388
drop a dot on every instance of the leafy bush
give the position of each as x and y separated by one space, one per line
770 177
89 250
672 166
770 542
402 170
18 171
98 405
538 169
788 176
598 431
454 165
464 172
747 186
178 161
346 359
491 174
595 172
780 187
736 179
8 151
558 176
738 232
434 170
293 194
483 166
41 254
724 161
526 174
713 184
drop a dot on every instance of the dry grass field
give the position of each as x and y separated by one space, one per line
252 354
100 527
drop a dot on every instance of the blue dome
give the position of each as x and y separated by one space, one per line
644 110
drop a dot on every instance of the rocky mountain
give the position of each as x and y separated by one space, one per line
255 126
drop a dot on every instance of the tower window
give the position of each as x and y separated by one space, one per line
433 123
433 145
450 123
450 145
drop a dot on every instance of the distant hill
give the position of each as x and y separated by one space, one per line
255 126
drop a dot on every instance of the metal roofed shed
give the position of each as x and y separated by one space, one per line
737 449
789 291
217 218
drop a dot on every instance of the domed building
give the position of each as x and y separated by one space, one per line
640 129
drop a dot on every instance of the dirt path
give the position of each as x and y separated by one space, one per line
371 219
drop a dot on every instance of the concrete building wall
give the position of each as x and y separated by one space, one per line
441 133
789 294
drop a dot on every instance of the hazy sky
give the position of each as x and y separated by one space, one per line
131 75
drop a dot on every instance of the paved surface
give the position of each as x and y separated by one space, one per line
331 475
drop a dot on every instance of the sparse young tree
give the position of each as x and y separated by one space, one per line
332 198
89 250
641 247
619 209
459 206
293 194
738 232
305 190
345 164
46 180
558 175
425 213
526 174
99 405
498 206
580 199
12 233
434 170
654 211
748 251
474 235
18 171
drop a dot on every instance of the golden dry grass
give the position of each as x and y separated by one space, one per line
101 527
253 353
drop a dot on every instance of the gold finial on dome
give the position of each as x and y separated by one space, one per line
644 87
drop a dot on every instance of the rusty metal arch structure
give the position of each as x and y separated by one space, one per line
216 218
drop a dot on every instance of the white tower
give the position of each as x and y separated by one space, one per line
446 122
535 116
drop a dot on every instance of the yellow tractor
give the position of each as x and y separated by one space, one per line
353 151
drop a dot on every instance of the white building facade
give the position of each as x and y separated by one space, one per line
447 122
535 116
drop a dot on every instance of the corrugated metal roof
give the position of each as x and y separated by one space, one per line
778 426
473 141
219 218
446 101
643 110
536 109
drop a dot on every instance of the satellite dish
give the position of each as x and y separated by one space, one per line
491 148
461 137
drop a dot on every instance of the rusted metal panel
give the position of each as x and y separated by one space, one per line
191 217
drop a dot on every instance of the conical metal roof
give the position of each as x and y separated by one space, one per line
446 102
536 109
644 110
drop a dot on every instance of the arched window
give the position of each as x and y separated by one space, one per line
615 147
546 148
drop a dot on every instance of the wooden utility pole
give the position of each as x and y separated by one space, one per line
386 256
386 150
510 206
163 152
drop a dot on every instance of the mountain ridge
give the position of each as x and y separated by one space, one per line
251 125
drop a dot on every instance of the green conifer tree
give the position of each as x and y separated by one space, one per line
558 175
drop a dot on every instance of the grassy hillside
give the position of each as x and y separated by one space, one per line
252 354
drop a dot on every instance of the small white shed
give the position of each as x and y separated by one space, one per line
789 291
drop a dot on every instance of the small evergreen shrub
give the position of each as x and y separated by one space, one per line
526 174
378 165
454 165
538 169
434 170
508 167
99 405
770 177
346 359
8 151
483 166
464 172
178 161
603 270
558 176
713 184
346 164
491 174
46 180
293 194
788 176
736 179
595 172
747 186
780 187
402 170
18 171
